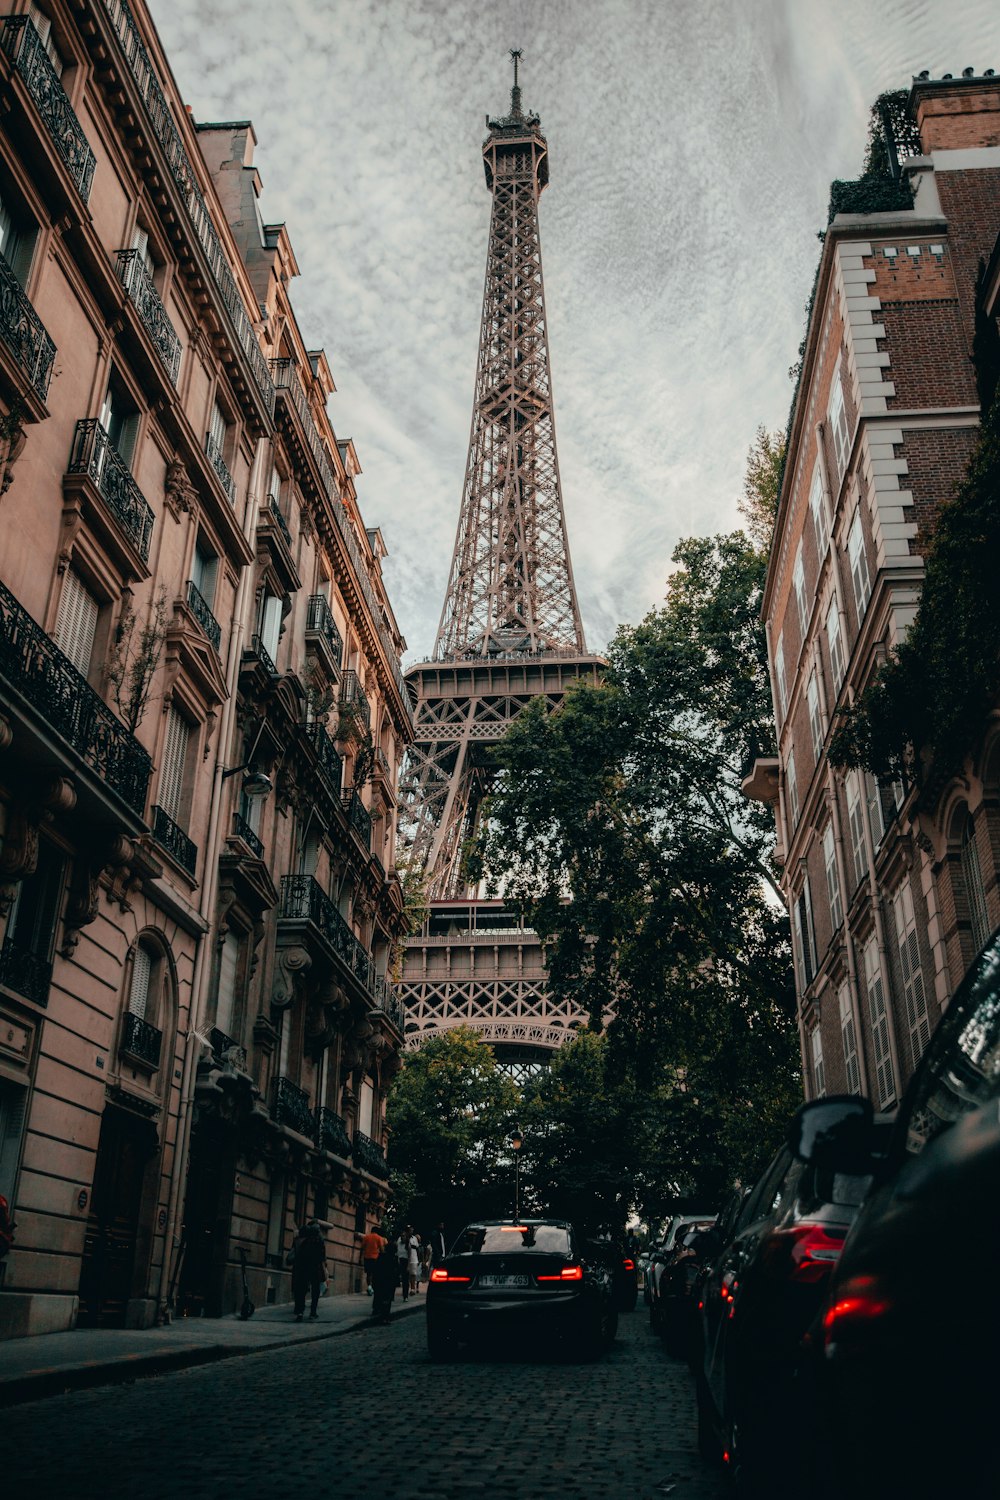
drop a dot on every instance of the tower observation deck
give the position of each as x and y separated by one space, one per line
510 632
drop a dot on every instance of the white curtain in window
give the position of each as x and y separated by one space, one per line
76 622
270 625
366 1107
142 968
228 962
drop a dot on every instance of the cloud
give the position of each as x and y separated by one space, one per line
692 145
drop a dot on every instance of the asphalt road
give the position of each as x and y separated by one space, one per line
367 1415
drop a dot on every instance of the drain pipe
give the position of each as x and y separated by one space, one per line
210 885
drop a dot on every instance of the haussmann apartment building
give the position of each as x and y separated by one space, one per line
202 714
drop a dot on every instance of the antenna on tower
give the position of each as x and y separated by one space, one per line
515 93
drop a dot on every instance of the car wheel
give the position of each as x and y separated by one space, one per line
439 1346
708 1443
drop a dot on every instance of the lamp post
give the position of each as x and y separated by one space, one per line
516 1142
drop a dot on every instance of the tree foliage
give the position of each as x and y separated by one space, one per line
618 825
762 486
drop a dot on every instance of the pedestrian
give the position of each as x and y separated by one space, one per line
308 1269
439 1245
413 1259
403 1256
372 1245
424 1274
385 1279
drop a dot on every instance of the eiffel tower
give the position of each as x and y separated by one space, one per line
510 632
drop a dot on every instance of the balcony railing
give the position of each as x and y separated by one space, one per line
165 131
369 1157
272 513
220 466
25 973
331 1132
353 700
94 454
290 1106
174 840
135 278
23 45
141 1040
303 897
226 1050
330 762
320 621
389 1002
23 333
382 766
242 830
263 655
359 817
204 616
35 668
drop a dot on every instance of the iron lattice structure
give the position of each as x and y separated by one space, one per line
510 631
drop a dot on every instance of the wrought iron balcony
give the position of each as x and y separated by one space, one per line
135 278
22 44
34 667
303 897
329 760
274 514
359 817
331 1132
141 1040
382 767
353 700
388 1002
369 1157
24 972
22 331
226 1050
290 1106
220 466
204 616
164 129
174 840
242 830
263 655
94 454
320 622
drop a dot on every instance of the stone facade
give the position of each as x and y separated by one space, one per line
891 895
203 714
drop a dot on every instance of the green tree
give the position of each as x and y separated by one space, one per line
449 1117
618 825
762 485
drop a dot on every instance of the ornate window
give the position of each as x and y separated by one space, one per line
76 622
144 1019
975 892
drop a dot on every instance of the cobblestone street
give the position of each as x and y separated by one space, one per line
368 1413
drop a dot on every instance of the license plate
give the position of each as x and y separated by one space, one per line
507 1281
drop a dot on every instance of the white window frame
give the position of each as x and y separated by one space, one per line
780 678
143 962
914 987
173 764
819 1071
805 933
835 641
855 817
839 429
820 514
799 585
879 1018
832 877
226 991
858 560
76 622
816 728
849 1038
791 784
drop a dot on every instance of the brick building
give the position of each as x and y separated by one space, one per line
891 893
202 713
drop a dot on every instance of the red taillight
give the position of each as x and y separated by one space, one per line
858 1305
440 1274
629 1265
804 1253
568 1273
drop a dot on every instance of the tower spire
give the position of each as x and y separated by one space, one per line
515 93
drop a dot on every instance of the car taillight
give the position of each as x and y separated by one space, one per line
804 1253
859 1304
568 1273
439 1273
628 1265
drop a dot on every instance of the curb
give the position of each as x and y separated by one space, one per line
130 1367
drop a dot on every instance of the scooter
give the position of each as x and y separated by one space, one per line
247 1309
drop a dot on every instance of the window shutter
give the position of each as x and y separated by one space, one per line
204 572
76 622
914 989
849 1039
799 583
975 893
819 1072
836 643
793 789
832 877
175 749
858 558
13 1100
879 1019
142 966
217 426
817 504
857 827
270 625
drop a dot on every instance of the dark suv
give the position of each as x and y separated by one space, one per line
760 1295
906 1347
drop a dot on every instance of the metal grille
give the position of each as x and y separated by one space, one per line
141 289
24 47
22 331
94 454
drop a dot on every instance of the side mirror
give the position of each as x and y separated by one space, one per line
834 1134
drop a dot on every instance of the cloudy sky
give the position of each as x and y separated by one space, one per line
691 147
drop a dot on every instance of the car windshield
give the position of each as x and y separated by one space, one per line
508 1239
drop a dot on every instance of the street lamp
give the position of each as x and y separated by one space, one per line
516 1142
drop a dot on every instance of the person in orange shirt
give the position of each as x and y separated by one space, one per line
371 1248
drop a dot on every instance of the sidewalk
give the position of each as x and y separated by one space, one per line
50 1363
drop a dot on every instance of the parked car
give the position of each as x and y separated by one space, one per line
676 1303
530 1278
907 1343
675 1230
759 1297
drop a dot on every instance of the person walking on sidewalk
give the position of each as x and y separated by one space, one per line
439 1246
385 1279
372 1245
403 1256
308 1269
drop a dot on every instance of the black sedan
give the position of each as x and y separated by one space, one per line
527 1278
